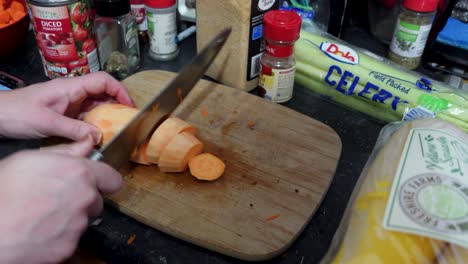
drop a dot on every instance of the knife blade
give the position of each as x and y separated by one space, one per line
119 149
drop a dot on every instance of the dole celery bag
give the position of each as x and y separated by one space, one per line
370 84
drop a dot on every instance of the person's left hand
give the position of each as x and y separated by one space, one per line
52 108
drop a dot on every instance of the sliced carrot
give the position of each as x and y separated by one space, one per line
165 133
206 167
16 15
139 155
110 119
15 5
4 17
178 152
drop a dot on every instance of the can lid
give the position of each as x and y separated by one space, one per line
281 25
112 8
160 3
424 6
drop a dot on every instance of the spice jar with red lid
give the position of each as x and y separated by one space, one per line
162 28
412 29
280 31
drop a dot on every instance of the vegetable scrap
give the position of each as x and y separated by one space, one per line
131 239
10 12
272 217
203 112
251 124
179 95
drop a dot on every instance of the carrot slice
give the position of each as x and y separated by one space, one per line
178 152
139 155
164 134
4 17
110 119
15 5
206 167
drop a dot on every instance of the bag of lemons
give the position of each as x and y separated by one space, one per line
411 202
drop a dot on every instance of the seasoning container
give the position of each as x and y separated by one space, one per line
238 63
139 12
64 36
280 31
162 25
411 32
117 37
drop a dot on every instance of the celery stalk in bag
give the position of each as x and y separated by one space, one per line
355 76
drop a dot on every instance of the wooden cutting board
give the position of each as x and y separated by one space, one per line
277 173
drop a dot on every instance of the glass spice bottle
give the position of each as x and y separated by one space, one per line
280 32
411 32
117 37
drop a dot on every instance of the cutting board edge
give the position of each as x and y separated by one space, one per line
214 248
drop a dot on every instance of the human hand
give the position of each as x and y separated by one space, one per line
46 199
52 108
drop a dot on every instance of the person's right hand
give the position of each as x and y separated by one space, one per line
47 197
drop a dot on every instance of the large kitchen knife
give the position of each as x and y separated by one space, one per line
119 149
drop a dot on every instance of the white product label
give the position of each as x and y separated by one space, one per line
93 61
277 83
418 112
409 39
162 31
429 195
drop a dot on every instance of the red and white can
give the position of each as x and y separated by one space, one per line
65 37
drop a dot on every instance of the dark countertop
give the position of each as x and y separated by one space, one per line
109 240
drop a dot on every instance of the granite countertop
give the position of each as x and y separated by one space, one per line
358 133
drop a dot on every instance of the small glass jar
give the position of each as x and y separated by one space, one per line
281 30
117 38
412 29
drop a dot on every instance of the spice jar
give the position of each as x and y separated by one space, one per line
280 31
162 27
117 37
411 32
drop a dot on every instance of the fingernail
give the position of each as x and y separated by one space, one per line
97 137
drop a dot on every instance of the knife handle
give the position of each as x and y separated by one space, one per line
96 155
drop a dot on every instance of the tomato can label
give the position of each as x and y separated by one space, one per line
65 38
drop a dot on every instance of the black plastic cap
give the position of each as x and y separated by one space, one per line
112 8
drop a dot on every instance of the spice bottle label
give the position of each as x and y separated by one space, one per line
429 195
409 39
162 31
276 84
139 12
65 39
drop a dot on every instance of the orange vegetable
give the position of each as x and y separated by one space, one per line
164 134
110 119
139 155
5 17
10 12
206 167
251 124
204 112
176 155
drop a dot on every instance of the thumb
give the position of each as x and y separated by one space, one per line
74 129
80 148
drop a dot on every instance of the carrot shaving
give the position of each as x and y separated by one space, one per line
131 239
204 113
251 124
272 217
179 94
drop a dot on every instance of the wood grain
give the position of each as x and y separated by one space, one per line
277 172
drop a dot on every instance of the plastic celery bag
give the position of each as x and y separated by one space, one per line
410 204
363 81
